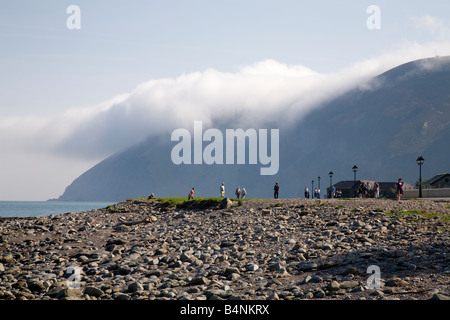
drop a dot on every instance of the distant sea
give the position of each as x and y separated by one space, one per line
46 208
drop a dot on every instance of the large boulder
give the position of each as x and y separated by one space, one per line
225 203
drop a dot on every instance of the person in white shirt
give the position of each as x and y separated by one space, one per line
222 190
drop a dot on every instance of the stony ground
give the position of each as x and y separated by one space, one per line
263 249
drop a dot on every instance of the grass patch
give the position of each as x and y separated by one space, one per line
184 203
113 208
181 202
420 213
339 206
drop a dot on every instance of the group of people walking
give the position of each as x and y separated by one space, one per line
316 194
240 193
365 190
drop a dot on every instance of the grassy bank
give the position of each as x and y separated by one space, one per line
184 203
418 214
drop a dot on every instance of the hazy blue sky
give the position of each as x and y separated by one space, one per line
133 57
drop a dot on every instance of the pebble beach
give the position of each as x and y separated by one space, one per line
272 249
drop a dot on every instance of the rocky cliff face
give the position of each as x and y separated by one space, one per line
381 127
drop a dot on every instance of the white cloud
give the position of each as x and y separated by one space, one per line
265 91
433 25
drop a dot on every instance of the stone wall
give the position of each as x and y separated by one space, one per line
427 193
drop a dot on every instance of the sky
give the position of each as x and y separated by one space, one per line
76 86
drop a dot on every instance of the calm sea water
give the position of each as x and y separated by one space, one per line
46 208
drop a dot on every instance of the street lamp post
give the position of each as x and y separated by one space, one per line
355 168
331 182
420 161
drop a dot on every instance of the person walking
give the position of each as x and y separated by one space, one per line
222 190
333 192
376 190
399 187
191 194
243 193
364 190
238 192
368 188
361 190
276 188
306 192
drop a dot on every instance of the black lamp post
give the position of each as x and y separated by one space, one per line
331 182
420 161
355 168
318 178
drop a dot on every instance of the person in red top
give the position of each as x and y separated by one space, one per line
191 194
